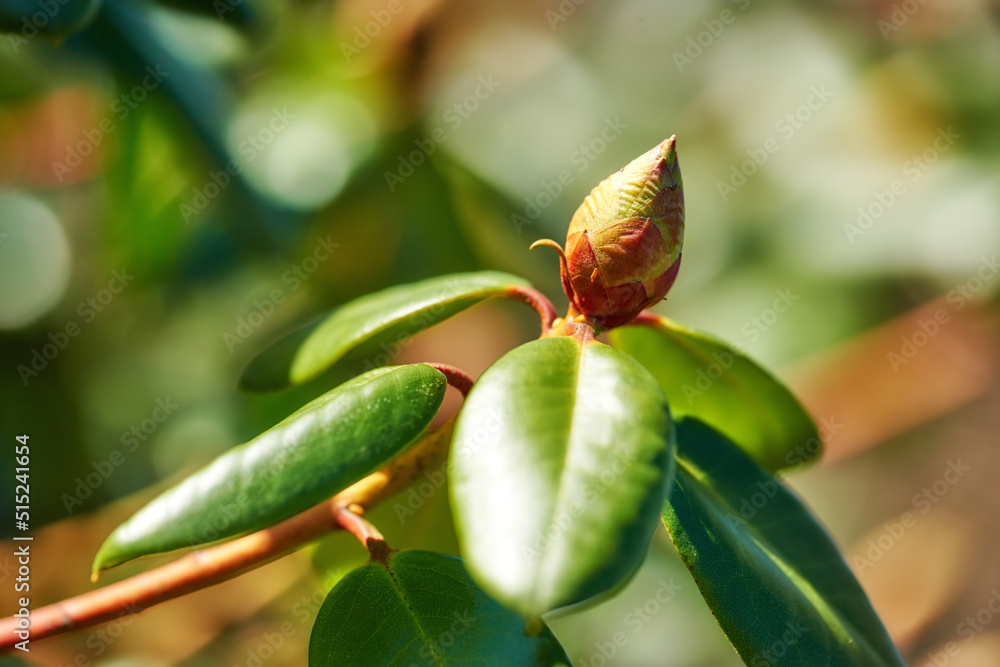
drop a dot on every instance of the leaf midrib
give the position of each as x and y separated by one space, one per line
770 551
416 620
560 486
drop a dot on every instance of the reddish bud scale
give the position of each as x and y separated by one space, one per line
623 249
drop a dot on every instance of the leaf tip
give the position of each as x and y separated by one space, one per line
108 556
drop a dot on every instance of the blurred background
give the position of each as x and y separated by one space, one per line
182 182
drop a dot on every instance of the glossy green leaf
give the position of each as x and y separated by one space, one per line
386 317
771 575
421 608
560 464
316 452
707 379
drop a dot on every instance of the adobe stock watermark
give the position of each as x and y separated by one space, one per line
752 329
446 639
420 492
750 505
592 491
957 298
960 295
581 159
363 35
247 150
698 43
785 126
8 569
306 609
484 437
130 439
772 656
635 620
217 522
304 612
122 107
562 12
899 16
269 645
913 169
88 310
414 324
970 627
453 117
827 428
101 639
223 7
31 24
923 501
293 278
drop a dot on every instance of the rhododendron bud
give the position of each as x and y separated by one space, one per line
623 248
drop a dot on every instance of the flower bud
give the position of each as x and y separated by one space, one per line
623 248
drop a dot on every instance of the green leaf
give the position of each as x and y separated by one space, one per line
771 575
421 608
316 452
707 379
560 464
387 317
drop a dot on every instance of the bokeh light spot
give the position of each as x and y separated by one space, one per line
34 260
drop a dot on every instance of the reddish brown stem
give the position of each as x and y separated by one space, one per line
546 311
349 518
220 563
457 378
195 571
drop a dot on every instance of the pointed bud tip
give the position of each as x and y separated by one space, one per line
668 147
665 150
664 161
624 242
669 150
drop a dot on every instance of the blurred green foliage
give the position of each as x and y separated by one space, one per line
209 152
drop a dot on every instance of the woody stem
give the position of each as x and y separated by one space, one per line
457 378
214 565
546 311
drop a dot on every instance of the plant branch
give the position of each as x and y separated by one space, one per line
214 565
349 518
457 378
536 300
